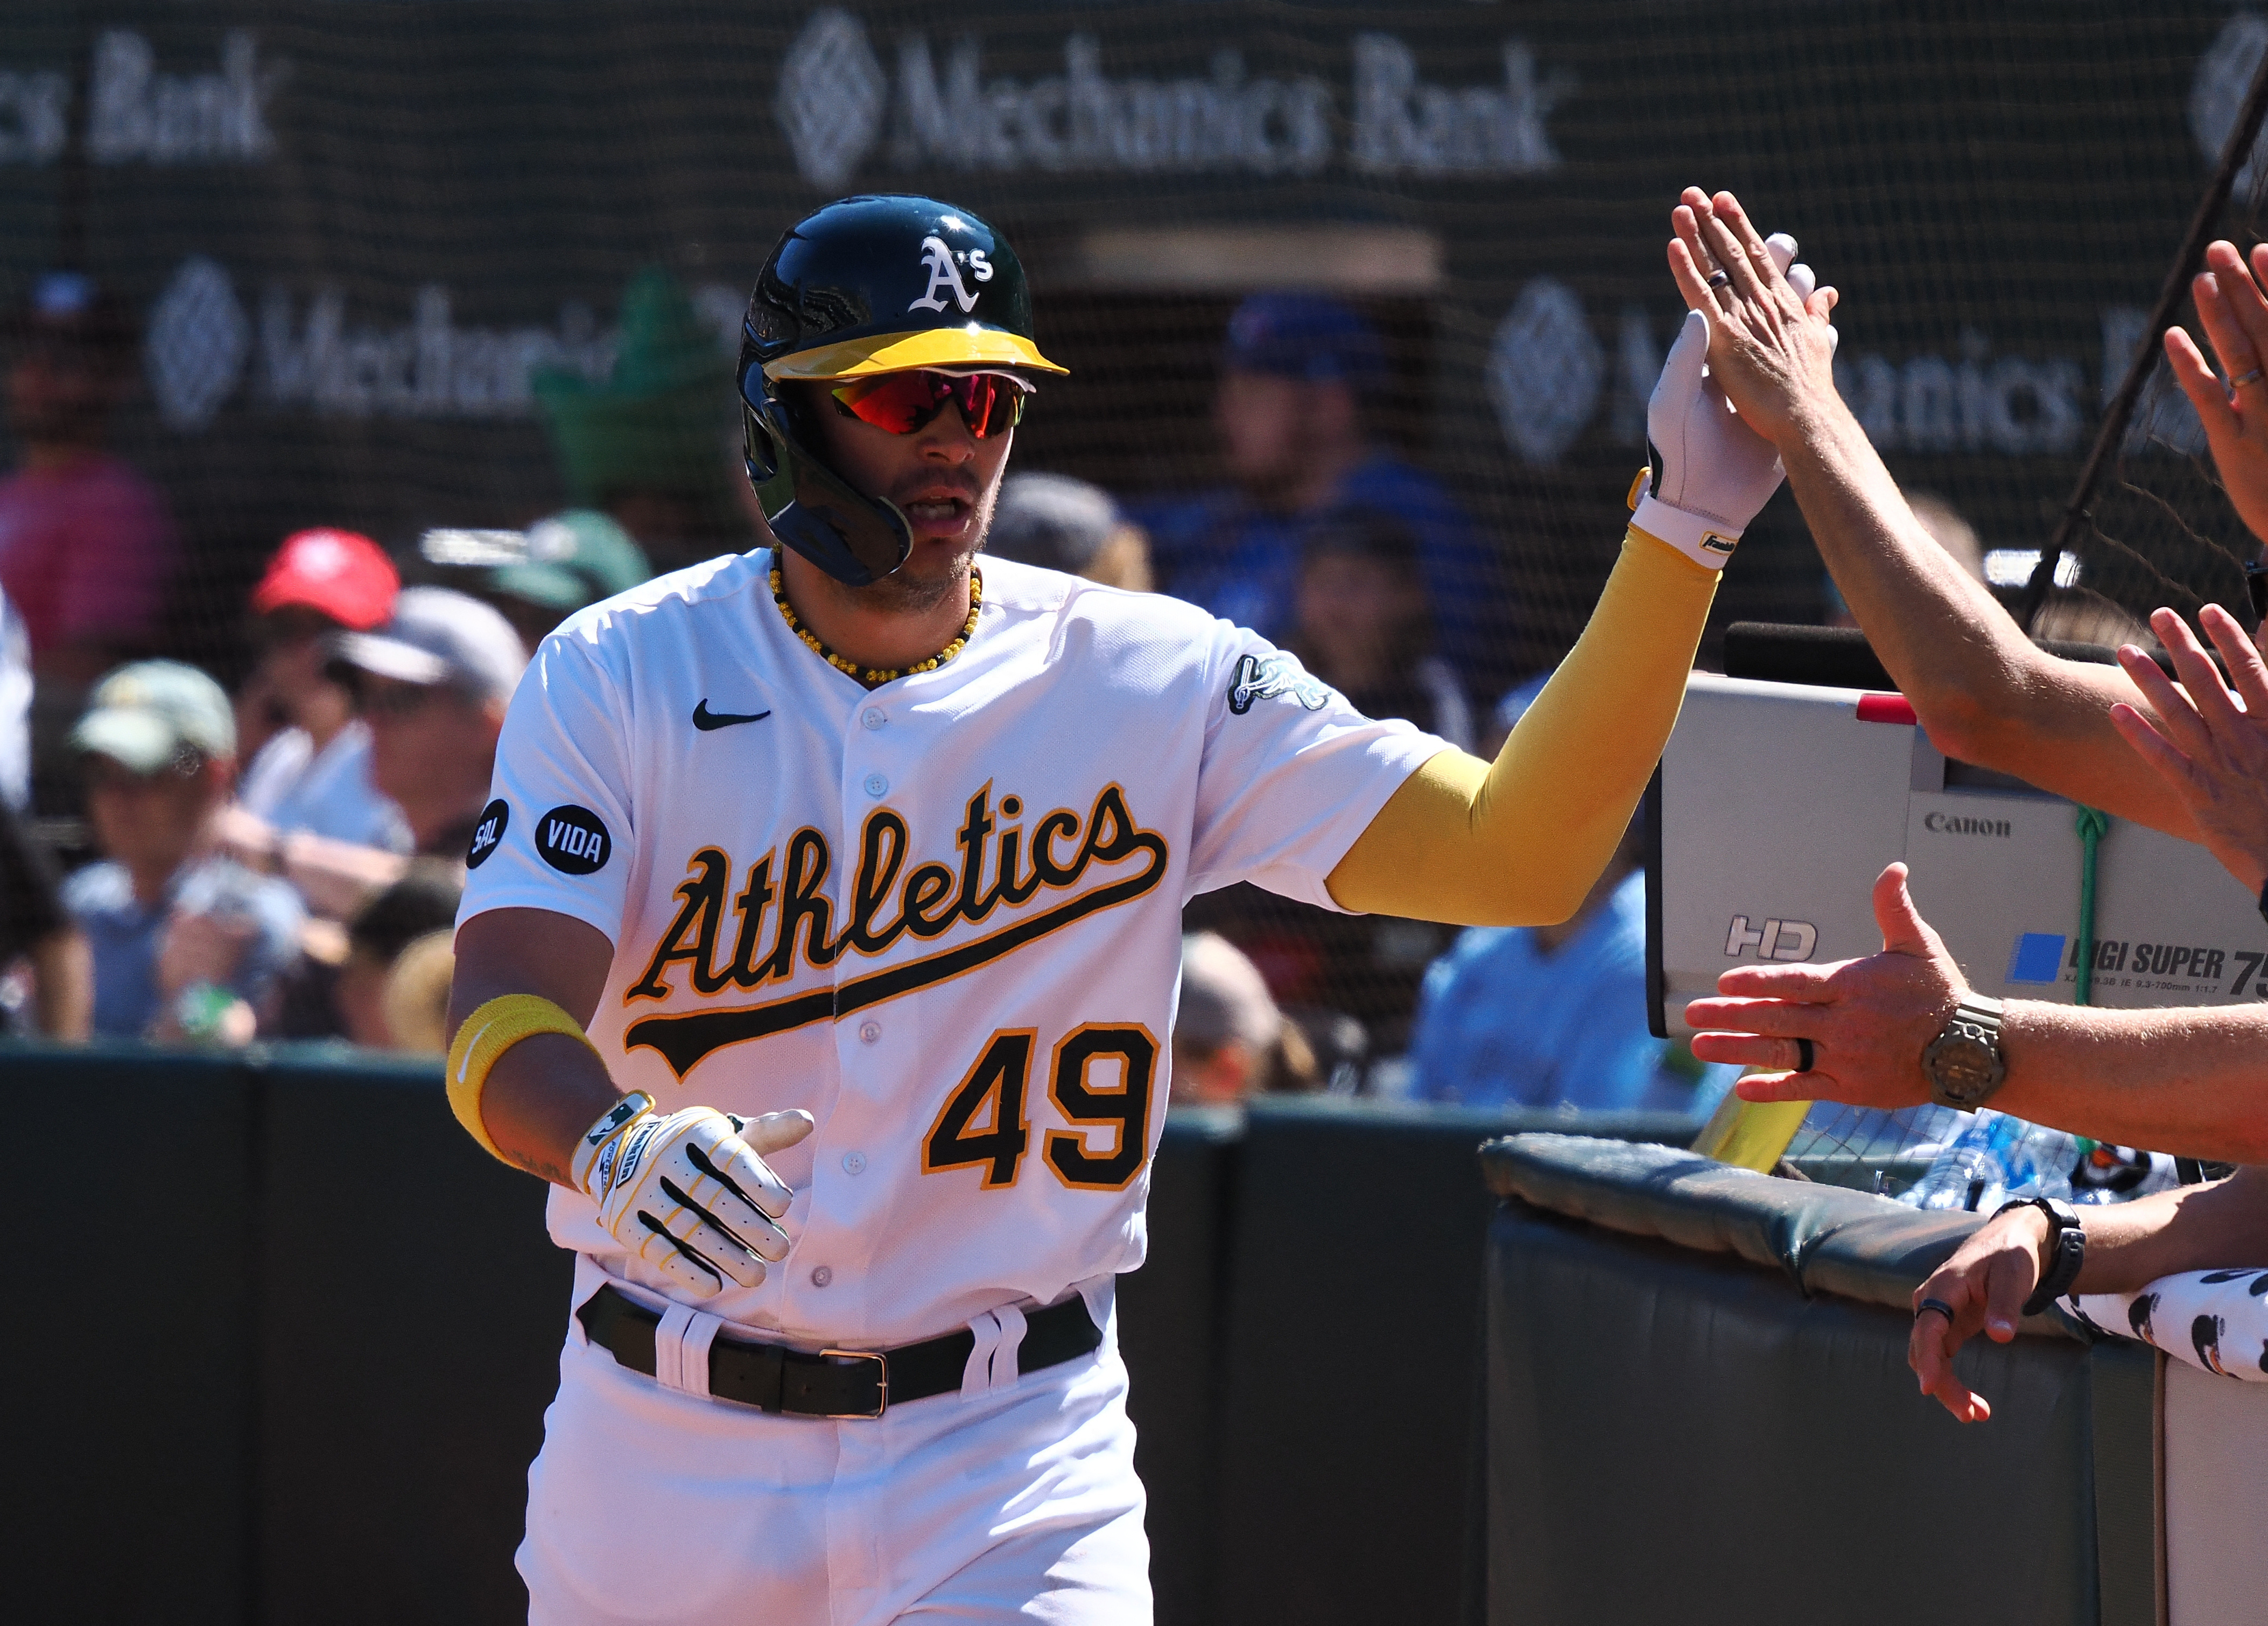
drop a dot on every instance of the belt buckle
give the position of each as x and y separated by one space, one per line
882 1382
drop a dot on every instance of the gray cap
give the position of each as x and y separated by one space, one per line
1224 997
440 635
149 715
1051 520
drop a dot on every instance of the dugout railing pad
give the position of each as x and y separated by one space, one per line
1698 1408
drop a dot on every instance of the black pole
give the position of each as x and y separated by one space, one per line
2121 410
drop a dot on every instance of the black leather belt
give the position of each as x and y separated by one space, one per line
836 1383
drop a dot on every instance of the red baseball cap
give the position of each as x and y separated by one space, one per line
341 573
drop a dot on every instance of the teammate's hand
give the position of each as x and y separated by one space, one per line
2235 314
1772 346
2211 746
689 1192
1984 1284
1868 1020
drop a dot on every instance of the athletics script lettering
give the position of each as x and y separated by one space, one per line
933 898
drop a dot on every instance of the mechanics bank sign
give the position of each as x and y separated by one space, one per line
839 105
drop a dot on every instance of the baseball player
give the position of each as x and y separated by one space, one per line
821 941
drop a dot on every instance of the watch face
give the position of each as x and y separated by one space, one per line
1963 1068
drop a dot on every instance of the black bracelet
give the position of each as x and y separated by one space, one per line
2070 1257
2066 1249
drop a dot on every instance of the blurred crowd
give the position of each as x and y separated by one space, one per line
283 861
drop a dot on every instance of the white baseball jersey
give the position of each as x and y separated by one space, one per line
942 917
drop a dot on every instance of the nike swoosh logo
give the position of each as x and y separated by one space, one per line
468 1062
704 720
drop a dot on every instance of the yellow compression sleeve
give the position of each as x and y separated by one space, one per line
1522 841
487 1034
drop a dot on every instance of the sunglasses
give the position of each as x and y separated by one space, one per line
899 403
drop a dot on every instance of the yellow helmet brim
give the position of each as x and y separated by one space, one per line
969 346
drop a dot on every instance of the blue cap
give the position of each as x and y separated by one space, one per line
1305 336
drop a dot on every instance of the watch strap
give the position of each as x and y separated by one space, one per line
2066 1250
1982 1009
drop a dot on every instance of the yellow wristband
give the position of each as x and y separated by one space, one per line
487 1034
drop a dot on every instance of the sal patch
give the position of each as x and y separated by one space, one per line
573 840
1255 679
488 835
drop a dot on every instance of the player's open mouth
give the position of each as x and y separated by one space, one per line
940 516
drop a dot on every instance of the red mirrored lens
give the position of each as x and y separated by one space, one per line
901 402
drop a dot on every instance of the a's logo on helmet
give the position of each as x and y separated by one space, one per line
936 259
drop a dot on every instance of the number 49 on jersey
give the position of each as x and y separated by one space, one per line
985 1122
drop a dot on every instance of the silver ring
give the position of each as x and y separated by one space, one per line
1938 1305
1718 279
1804 1057
2253 377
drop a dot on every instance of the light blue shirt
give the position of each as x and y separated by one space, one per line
326 793
1501 1022
125 935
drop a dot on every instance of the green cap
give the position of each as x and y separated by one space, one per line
661 418
149 715
574 558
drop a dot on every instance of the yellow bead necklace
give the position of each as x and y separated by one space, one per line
874 677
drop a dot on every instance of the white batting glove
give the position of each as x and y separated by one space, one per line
1709 473
687 1191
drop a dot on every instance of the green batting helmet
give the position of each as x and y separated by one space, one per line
866 285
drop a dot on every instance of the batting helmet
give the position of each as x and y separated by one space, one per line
866 285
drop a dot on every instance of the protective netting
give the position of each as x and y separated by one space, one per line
358 236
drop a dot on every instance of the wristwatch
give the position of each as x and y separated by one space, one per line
2066 1249
1962 1064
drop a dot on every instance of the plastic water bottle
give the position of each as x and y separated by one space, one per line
1995 1158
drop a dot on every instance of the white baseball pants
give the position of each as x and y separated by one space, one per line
1014 1502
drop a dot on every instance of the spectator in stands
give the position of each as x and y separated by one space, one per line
314 773
85 542
1298 373
47 973
1230 1041
538 577
423 901
416 998
653 446
85 545
1362 626
187 944
1062 524
434 683
1555 1016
